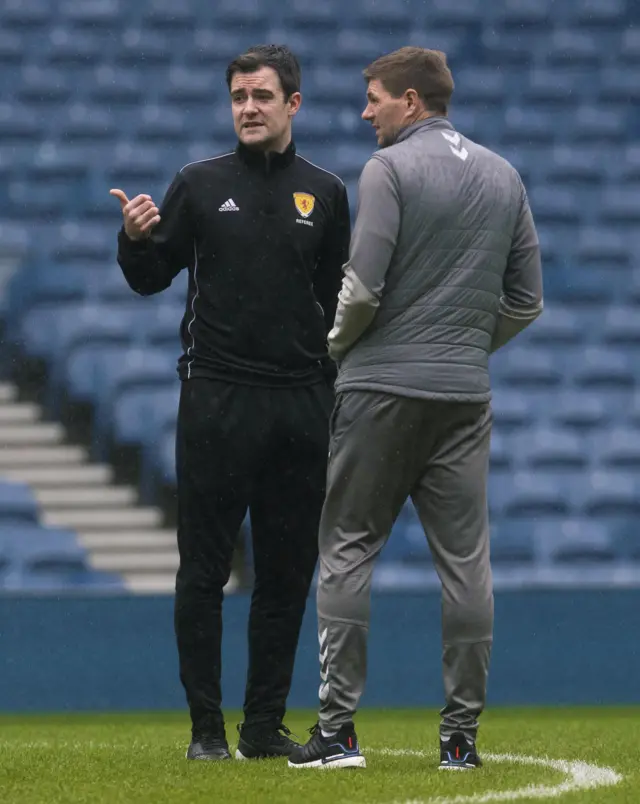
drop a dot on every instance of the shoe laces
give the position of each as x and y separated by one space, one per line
281 730
209 742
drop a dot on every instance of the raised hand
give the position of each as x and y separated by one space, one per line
140 215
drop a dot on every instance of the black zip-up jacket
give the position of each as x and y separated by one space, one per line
264 238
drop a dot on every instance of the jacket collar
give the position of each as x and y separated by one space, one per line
436 123
267 161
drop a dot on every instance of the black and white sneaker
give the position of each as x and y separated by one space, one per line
340 751
458 753
208 747
264 741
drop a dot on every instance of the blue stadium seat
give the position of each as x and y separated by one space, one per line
612 493
585 127
82 123
165 14
166 126
131 163
572 48
43 283
578 410
158 463
11 48
143 46
96 14
618 447
588 285
387 15
17 503
480 86
619 85
18 123
512 542
577 164
629 51
65 47
462 12
549 449
528 367
561 325
353 47
599 245
140 412
533 494
51 329
313 16
186 87
583 542
240 13
626 539
555 204
26 14
120 371
41 559
620 204
527 125
512 409
605 368
621 325
117 85
501 453
520 14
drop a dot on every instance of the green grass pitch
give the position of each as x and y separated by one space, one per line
139 759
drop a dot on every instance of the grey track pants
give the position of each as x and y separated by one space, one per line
384 449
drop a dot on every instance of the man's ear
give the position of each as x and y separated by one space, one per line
295 101
411 99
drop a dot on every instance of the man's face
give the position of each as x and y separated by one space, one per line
261 113
385 113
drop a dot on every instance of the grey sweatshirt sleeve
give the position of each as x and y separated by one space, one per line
521 301
372 245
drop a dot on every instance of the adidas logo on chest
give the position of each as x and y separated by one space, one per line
229 206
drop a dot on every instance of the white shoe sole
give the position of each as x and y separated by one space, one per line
456 767
342 762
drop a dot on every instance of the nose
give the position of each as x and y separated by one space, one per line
367 114
250 107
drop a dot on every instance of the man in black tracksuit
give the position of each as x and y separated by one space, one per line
264 234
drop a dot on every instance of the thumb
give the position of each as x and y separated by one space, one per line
121 196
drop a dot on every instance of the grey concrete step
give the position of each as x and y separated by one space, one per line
101 519
18 413
163 583
153 583
82 475
8 392
164 562
11 457
129 541
88 497
37 435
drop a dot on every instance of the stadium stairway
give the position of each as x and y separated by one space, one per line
120 535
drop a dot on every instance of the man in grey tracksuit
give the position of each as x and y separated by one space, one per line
444 269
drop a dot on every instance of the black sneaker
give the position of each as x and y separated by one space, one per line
340 751
209 747
264 741
458 753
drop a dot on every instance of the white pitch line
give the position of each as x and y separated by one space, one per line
580 776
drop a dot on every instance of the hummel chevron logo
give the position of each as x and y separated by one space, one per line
229 206
454 139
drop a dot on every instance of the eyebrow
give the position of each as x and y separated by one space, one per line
257 91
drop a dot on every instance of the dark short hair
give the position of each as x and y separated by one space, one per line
278 57
426 71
